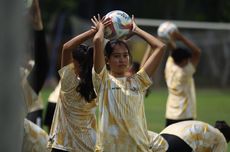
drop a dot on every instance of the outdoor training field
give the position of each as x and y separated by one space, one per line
212 105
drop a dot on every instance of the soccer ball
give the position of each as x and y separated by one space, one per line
165 29
120 27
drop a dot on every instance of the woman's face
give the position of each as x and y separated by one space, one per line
119 60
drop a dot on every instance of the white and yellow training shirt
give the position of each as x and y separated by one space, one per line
35 139
74 124
181 102
122 123
200 136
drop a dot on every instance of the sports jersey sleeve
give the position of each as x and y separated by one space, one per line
53 97
67 76
98 78
143 79
157 142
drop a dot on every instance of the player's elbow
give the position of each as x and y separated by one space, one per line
162 46
65 47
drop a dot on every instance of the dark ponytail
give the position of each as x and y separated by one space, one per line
84 55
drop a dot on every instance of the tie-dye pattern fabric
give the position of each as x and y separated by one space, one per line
200 136
74 123
122 122
181 102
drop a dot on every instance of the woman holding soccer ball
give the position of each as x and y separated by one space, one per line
73 127
179 76
122 123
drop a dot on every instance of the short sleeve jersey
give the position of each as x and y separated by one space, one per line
35 139
53 97
33 101
122 123
200 136
74 123
181 102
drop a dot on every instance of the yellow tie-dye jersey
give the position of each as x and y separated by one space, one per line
74 124
200 136
53 97
35 139
33 101
122 124
181 102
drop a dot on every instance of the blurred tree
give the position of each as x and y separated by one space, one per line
50 7
208 10
197 10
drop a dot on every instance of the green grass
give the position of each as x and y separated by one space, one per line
212 105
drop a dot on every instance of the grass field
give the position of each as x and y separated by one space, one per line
212 105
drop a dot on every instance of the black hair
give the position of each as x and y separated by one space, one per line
84 55
179 54
109 47
224 129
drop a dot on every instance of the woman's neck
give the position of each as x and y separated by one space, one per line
117 75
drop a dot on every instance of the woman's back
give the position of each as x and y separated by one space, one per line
74 123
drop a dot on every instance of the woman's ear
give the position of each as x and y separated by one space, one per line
107 63
106 60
